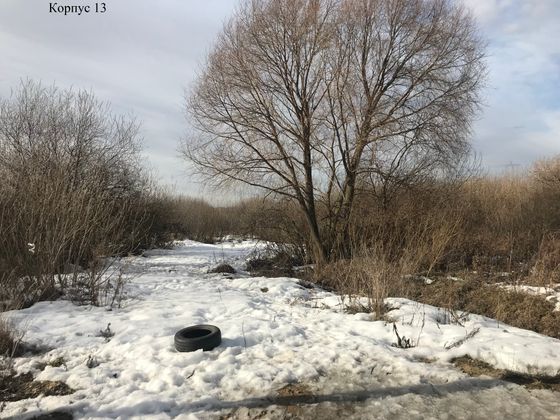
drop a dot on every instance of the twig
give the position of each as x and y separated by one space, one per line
462 340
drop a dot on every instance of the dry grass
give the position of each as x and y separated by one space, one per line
364 278
474 367
394 244
371 276
10 339
21 387
478 297
545 266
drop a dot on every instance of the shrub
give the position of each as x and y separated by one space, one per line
72 190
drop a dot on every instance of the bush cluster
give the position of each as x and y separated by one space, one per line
72 191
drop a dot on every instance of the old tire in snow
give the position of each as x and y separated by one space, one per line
197 337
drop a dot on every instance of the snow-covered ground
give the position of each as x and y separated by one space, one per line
275 332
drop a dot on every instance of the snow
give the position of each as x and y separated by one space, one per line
274 332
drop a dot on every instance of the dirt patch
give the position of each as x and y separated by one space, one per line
15 388
294 390
55 415
286 411
248 414
223 268
426 360
474 367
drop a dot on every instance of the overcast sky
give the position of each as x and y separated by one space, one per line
141 54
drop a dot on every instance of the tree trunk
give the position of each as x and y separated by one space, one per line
320 255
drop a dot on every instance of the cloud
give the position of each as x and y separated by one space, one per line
487 10
524 81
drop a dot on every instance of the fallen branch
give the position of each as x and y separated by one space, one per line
462 340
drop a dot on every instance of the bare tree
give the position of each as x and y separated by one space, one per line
308 98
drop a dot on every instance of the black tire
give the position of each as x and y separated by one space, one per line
205 337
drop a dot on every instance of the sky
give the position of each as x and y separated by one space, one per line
140 55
